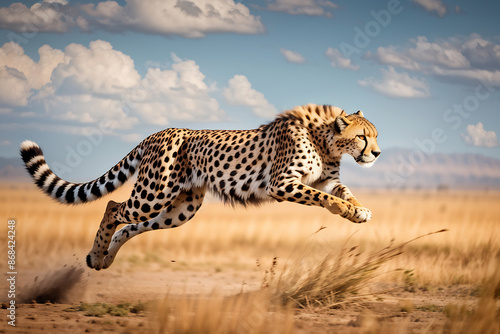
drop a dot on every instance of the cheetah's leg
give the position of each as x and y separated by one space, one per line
183 209
303 194
103 236
341 191
337 189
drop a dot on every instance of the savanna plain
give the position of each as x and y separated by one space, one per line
428 262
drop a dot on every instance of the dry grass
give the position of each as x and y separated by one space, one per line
484 317
226 237
243 313
334 280
221 237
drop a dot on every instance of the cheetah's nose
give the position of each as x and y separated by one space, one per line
376 153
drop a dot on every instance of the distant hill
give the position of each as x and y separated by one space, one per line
401 168
396 168
12 169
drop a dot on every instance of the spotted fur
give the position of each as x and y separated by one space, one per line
295 158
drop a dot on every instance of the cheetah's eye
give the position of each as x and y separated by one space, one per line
361 137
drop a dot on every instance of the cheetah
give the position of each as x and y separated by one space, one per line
294 158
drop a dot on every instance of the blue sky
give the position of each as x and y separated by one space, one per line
89 80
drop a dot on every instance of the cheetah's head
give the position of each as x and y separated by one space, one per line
356 136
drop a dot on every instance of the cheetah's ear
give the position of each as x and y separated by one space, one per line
341 123
359 113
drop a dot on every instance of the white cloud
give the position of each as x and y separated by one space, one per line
97 69
338 60
64 128
178 93
303 7
19 74
469 75
423 53
132 137
96 84
38 74
481 53
240 93
433 6
59 2
390 56
187 18
45 16
469 58
292 56
477 136
88 86
88 109
441 54
397 85
15 88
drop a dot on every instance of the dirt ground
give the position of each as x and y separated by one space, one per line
396 310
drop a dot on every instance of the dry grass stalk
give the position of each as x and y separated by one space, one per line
334 280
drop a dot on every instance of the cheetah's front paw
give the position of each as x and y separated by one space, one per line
361 215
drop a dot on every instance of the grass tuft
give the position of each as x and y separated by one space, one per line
333 281
102 309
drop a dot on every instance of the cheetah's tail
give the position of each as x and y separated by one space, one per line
76 193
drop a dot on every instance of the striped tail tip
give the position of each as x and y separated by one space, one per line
30 150
75 193
41 173
31 153
28 144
